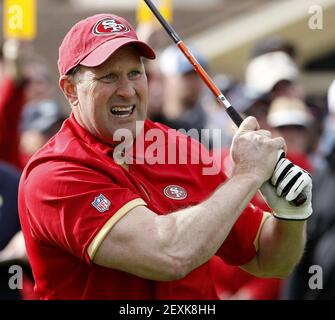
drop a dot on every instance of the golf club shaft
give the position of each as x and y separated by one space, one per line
233 114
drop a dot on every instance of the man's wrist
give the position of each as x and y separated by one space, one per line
292 217
252 179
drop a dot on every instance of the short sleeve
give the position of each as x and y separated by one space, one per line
68 206
239 247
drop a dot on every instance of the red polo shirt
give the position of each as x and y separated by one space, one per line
72 193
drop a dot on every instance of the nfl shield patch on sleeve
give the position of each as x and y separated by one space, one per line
101 203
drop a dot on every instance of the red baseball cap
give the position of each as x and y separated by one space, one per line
91 41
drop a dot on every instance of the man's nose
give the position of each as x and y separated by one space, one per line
125 88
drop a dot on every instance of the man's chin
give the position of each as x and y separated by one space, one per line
121 135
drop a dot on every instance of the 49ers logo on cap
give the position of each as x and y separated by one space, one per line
175 192
108 26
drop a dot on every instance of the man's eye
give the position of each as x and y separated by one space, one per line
108 78
135 74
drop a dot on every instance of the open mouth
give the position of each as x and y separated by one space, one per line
122 111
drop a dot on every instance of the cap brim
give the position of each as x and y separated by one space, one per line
103 52
292 118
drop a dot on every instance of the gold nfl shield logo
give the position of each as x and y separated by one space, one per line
101 203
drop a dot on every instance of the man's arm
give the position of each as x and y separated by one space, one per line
283 236
169 247
281 245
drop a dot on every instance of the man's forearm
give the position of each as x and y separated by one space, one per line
281 247
199 231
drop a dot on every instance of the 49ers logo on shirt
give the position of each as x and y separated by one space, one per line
175 192
101 203
108 25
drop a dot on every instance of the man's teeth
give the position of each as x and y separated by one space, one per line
122 111
115 109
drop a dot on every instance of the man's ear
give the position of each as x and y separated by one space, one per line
69 89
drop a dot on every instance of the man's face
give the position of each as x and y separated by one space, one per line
190 88
38 86
113 95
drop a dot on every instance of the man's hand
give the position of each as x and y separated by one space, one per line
254 151
288 181
279 198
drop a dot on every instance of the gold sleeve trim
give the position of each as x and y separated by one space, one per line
101 235
266 216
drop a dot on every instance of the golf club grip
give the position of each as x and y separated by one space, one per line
235 116
301 198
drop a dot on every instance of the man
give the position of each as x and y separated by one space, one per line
9 221
321 228
99 228
40 121
275 74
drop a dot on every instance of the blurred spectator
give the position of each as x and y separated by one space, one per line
290 119
273 44
38 77
320 240
154 35
321 227
21 81
275 74
9 223
9 220
241 97
41 116
249 103
276 61
26 90
12 100
183 106
40 121
155 85
327 139
12 84
256 105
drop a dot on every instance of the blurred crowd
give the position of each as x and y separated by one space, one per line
271 91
